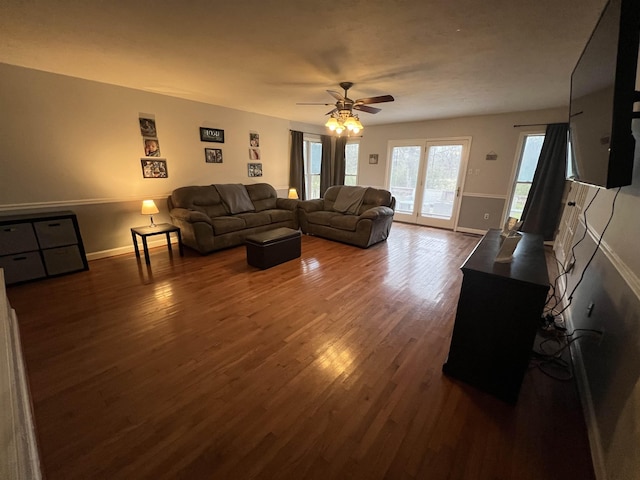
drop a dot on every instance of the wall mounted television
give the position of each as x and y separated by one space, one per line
602 97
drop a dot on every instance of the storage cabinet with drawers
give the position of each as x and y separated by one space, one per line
40 245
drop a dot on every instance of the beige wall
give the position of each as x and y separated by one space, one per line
67 143
491 180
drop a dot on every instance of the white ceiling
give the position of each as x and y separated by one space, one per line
439 59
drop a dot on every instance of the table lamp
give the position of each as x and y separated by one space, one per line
293 193
149 208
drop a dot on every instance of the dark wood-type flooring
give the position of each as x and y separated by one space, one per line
325 367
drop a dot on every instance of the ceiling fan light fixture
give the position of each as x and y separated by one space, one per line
350 122
332 124
342 117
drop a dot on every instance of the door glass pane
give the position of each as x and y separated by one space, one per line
441 181
405 162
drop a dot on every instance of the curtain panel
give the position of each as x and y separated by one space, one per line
325 166
542 210
339 165
296 164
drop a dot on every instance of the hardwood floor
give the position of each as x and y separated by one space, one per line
324 367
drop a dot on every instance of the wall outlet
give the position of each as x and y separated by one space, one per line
486 216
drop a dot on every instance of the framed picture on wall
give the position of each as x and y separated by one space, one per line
151 147
213 155
147 127
211 135
373 158
255 169
154 168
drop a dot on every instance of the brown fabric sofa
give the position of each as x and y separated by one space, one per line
214 217
367 223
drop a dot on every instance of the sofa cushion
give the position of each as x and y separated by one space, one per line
281 215
262 195
235 197
253 219
344 222
322 217
375 197
222 225
204 199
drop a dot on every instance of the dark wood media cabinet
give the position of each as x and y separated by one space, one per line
498 314
40 245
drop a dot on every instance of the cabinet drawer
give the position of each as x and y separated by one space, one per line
63 260
17 238
56 233
22 267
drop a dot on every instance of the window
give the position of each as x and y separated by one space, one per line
351 162
312 160
531 148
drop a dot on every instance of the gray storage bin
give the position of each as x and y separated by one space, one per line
63 260
17 238
55 233
22 267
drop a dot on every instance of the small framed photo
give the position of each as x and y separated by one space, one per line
213 155
255 169
151 147
373 158
154 168
254 139
148 127
211 135
254 153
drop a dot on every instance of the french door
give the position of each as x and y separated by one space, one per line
426 178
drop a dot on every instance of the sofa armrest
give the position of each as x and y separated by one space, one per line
314 205
190 216
376 212
287 203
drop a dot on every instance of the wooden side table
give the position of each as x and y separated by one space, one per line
149 231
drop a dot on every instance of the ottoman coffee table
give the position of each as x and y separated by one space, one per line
273 247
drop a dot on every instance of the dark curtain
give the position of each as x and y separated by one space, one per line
339 165
296 165
542 211
325 166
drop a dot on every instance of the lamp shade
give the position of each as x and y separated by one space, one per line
293 193
332 124
149 207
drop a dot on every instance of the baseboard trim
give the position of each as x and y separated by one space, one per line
156 242
474 231
586 400
593 432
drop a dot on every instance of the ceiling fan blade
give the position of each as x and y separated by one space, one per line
380 99
364 108
313 103
335 95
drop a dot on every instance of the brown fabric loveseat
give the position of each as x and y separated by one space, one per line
360 216
213 217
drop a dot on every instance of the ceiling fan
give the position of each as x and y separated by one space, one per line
342 116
